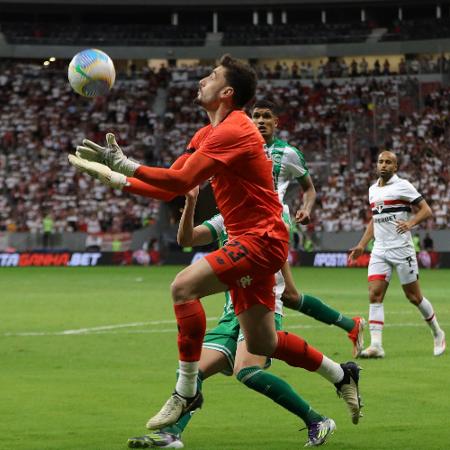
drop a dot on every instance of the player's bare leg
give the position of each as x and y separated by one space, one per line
317 309
211 363
414 295
257 324
377 291
196 281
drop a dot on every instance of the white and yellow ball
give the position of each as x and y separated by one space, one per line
91 73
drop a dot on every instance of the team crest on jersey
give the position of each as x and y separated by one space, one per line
245 281
276 158
379 206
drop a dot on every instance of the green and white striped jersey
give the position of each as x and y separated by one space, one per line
219 233
288 165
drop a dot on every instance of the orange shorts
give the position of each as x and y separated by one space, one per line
248 265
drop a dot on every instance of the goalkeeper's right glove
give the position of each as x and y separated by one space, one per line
111 155
100 171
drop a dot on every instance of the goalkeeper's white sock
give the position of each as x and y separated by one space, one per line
330 370
187 379
426 308
376 323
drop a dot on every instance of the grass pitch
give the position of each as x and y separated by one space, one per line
87 355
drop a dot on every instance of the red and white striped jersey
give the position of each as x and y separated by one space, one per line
390 203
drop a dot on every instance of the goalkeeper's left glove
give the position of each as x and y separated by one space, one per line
100 171
111 155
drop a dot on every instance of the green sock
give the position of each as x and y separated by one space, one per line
178 427
279 391
314 307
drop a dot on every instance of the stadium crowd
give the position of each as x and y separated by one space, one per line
356 67
340 127
41 120
365 119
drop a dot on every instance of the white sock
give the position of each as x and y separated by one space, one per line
187 378
426 308
330 370
376 323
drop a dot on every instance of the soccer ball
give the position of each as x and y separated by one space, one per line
91 73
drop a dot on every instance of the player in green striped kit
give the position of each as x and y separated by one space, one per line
289 165
224 350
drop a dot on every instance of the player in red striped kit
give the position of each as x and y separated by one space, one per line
392 199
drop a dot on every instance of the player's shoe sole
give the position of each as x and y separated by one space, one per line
320 432
348 389
173 409
158 439
357 335
439 344
372 352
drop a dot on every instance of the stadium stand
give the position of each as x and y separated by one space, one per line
294 34
418 29
36 33
41 120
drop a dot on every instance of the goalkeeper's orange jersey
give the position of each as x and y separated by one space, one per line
242 184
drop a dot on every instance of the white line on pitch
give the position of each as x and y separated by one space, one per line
114 329
303 327
154 323
99 329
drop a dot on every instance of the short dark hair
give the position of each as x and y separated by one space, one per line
241 77
267 104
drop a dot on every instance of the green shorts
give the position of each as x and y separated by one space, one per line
225 337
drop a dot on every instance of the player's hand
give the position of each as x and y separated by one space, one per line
111 155
100 171
356 252
193 193
303 217
402 226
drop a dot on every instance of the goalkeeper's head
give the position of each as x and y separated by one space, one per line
232 82
265 117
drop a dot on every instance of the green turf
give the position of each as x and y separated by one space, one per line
91 389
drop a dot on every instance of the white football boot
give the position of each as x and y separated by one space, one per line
374 351
439 344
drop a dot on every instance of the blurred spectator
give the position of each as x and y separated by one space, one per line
416 242
48 228
428 243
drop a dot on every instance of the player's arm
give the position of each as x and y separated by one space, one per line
95 160
423 212
119 180
303 215
138 187
359 248
197 169
188 235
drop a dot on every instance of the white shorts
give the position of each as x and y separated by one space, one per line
403 259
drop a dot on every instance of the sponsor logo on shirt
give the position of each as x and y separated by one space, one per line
385 219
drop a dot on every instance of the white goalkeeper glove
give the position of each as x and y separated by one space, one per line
111 155
100 171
